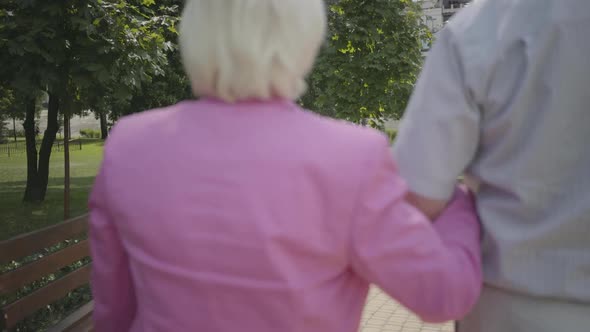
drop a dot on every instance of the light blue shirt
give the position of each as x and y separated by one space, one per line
504 97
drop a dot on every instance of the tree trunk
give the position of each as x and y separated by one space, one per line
104 132
48 140
66 164
68 127
14 128
33 192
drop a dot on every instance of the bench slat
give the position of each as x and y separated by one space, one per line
13 280
28 244
16 311
79 320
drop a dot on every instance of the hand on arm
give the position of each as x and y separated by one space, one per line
432 208
436 274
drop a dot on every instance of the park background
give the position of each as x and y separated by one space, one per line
122 57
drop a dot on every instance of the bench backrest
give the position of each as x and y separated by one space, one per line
20 247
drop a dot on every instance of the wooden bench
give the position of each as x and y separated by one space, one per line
16 249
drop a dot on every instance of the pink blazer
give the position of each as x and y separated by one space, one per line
260 216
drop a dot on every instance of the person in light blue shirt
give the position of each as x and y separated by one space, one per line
504 98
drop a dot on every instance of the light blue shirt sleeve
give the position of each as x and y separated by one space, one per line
440 130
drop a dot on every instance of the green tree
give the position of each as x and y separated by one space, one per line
168 88
11 110
371 60
74 50
164 90
6 103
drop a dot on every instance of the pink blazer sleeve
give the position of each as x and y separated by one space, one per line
435 271
112 286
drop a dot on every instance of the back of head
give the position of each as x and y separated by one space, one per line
250 49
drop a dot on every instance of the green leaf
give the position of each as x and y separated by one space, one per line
148 3
373 45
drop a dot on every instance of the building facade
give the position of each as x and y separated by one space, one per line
437 12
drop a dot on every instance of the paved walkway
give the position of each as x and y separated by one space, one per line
382 314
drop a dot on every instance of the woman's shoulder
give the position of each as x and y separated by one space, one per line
138 130
344 133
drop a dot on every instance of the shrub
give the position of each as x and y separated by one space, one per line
391 134
55 312
19 133
90 133
84 132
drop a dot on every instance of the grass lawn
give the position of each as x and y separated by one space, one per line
17 217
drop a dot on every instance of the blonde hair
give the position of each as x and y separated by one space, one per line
250 49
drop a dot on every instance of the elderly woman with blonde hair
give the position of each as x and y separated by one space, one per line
243 212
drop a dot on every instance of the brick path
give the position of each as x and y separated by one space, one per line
382 314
